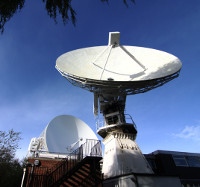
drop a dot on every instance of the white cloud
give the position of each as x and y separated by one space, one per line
190 132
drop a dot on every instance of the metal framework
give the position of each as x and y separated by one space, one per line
117 87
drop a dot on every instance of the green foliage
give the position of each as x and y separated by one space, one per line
10 168
54 7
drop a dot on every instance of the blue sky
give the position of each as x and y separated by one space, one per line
33 92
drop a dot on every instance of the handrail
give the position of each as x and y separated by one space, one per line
48 177
101 122
130 118
89 148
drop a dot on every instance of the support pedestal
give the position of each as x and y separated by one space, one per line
124 165
122 156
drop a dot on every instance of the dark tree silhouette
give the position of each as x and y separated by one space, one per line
7 9
54 7
62 7
10 168
8 145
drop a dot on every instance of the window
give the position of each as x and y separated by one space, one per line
193 161
180 160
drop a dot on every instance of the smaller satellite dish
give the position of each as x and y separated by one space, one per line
65 133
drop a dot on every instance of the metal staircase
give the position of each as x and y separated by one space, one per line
86 173
80 168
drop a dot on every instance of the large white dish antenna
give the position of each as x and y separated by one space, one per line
65 133
128 69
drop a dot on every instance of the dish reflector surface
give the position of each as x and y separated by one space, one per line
129 69
123 63
65 131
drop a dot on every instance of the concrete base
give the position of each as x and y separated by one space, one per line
142 181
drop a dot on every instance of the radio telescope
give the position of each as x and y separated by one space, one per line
62 135
112 72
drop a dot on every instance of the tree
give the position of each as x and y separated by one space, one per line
10 168
54 7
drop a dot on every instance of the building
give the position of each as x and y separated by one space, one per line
182 164
78 169
74 169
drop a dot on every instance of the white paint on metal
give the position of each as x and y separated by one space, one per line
122 156
61 136
114 38
95 104
34 145
121 63
101 67
65 130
